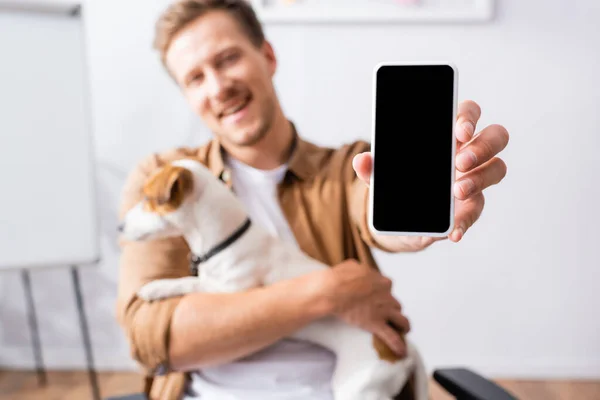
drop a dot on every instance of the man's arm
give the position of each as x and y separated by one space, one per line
216 328
210 329
206 329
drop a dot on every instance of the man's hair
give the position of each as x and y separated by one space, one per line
182 12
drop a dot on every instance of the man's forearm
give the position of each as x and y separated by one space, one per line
209 328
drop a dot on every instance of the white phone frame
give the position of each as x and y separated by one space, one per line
452 162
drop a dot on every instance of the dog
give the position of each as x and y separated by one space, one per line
185 199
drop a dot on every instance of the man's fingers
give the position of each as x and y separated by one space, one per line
479 179
386 283
397 319
392 339
395 304
387 302
491 141
469 113
466 216
363 165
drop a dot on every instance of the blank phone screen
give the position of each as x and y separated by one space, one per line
412 149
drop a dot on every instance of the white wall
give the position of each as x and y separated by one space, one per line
518 297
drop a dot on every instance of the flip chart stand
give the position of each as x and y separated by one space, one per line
83 324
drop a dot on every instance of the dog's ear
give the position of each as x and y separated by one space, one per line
178 183
167 189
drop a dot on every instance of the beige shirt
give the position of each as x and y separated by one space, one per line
322 199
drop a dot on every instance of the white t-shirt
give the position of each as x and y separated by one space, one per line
289 369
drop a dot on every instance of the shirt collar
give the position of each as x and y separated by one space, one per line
302 163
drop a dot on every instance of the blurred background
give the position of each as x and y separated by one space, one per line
517 299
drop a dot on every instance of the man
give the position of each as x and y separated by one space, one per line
233 346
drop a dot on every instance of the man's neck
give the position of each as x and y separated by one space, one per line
271 151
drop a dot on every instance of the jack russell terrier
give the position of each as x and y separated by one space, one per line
185 199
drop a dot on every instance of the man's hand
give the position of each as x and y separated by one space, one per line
361 296
477 168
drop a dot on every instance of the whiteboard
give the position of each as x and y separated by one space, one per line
48 210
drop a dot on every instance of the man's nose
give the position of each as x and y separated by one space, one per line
217 86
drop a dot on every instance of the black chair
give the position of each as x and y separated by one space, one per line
461 383
465 384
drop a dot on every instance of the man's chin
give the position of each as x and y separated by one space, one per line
245 136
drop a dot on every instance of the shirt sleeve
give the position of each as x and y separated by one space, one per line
147 324
358 198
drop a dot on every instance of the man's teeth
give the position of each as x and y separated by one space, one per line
234 109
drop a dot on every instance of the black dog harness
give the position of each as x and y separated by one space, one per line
196 260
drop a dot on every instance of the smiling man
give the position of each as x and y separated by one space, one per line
233 346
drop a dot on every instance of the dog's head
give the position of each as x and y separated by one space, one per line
170 196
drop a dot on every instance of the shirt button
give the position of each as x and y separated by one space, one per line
226 176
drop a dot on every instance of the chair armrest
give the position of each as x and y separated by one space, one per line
468 385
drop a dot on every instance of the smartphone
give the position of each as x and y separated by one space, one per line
413 148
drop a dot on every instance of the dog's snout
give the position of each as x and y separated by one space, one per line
121 227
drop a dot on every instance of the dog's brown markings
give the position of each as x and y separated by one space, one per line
165 190
385 353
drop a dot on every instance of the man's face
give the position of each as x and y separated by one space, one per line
225 78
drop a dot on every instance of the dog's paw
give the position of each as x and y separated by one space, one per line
165 288
155 290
